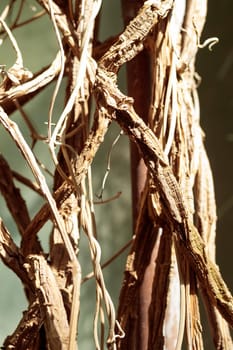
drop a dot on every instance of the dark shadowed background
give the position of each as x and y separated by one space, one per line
216 100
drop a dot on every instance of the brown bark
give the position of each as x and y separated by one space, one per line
138 87
172 255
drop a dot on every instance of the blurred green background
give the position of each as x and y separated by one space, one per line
39 46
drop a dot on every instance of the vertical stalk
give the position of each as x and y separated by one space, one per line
138 86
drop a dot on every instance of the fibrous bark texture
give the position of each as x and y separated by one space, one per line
171 262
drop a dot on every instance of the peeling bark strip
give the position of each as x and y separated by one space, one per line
29 87
130 42
81 164
11 255
16 204
164 180
175 228
51 303
148 143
